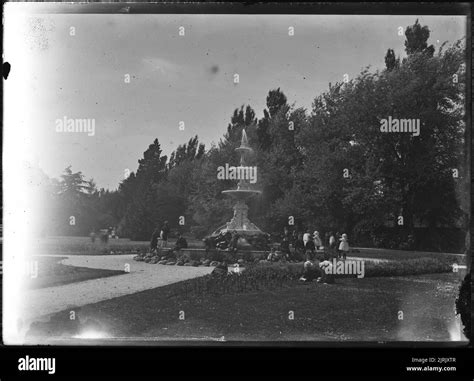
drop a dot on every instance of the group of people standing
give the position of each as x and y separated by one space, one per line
305 244
315 267
338 244
306 247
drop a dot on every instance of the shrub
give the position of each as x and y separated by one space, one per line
194 256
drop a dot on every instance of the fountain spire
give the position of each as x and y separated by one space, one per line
244 142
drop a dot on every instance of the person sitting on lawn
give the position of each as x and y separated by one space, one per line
344 246
327 276
310 271
221 269
273 256
181 243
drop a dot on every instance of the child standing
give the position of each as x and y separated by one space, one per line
344 246
317 240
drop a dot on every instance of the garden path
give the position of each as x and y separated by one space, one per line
142 276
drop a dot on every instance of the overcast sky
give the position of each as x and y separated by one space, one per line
177 78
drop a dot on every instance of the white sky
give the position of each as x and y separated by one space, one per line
55 75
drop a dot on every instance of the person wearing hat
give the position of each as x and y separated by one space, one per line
344 246
317 240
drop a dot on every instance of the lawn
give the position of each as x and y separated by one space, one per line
365 309
50 273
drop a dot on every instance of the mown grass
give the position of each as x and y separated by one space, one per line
352 309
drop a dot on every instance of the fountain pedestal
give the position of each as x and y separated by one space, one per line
240 222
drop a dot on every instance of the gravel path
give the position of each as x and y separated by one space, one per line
142 276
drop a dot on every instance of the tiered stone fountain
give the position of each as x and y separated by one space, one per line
240 223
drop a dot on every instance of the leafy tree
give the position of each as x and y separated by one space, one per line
279 158
416 40
391 62
275 101
190 151
72 184
142 210
391 174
